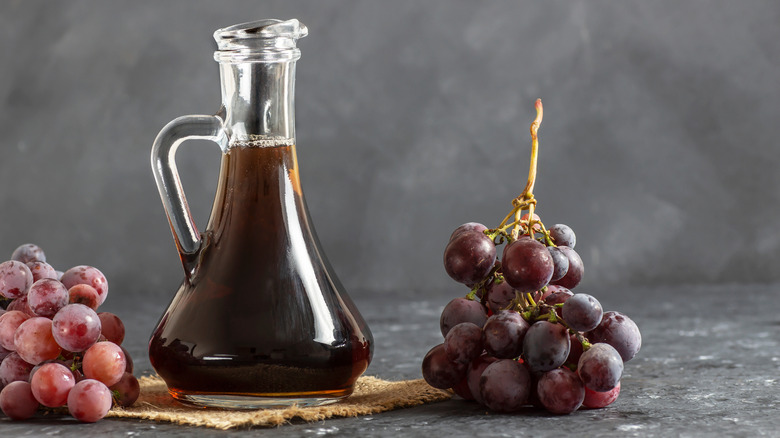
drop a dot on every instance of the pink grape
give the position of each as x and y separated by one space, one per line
13 369
21 304
17 401
35 342
51 384
84 294
46 297
89 401
113 328
105 362
86 275
9 322
41 270
29 252
15 279
597 400
76 327
126 390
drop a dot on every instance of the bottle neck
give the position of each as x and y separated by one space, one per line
258 100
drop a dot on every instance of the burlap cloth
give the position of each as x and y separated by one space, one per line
371 396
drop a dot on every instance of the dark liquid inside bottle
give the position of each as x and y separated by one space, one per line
262 316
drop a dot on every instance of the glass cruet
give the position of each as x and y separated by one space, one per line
260 319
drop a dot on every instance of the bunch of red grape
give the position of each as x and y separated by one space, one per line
520 337
55 349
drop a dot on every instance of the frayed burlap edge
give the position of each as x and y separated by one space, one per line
371 396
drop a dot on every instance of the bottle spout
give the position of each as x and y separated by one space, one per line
260 41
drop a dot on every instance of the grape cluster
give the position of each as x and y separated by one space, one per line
55 348
521 337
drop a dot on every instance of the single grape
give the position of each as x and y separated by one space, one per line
560 391
29 252
546 346
505 385
21 304
552 289
51 384
503 334
84 294
14 368
41 270
537 220
104 361
600 367
89 401
468 227
126 390
475 370
499 296
461 310
469 257
46 297
86 275
17 401
35 342
574 273
76 327
15 279
527 265
582 312
575 351
597 400
563 235
463 342
113 328
619 331
9 322
560 263
128 359
439 371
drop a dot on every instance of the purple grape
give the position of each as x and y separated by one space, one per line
469 257
576 269
600 367
29 252
86 275
555 294
560 263
76 327
562 235
505 385
461 310
15 279
462 389
126 390
575 351
41 270
47 297
546 346
619 331
112 327
89 401
463 343
597 400
439 371
17 401
468 227
499 296
560 391
527 265
503 334
475 370
582 312
14 368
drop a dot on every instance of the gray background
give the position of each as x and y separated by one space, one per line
659 143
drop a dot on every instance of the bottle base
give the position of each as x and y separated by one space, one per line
250 401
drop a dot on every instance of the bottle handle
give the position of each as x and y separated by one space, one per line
166 175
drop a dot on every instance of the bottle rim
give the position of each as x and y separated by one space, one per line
268 40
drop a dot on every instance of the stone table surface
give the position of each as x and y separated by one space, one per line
708 367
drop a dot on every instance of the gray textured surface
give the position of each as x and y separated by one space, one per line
708 367
659 144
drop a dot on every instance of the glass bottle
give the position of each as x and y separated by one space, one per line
260 319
